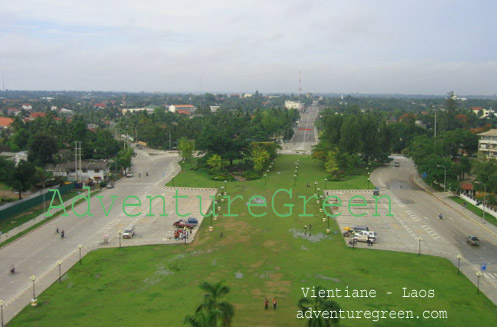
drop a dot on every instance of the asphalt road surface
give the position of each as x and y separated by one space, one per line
415 216
305 135
38 252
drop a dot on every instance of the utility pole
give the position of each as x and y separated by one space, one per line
77 160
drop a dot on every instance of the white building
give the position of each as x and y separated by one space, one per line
90 170
294 105
487 144
182 108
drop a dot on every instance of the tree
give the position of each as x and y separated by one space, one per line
259 157
41 149
319 304
331 163
222 312
186 148
23 177
6 170
215 162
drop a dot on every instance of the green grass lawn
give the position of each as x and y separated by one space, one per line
257 258
474 209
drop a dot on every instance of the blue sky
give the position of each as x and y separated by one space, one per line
369 46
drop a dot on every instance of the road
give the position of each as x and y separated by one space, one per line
38 252
415 216
305 135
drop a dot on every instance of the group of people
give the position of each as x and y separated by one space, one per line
181 234
266 304
62 233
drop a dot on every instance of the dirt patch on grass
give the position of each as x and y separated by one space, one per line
235 232
277 286
276 246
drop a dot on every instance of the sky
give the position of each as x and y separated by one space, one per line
368 46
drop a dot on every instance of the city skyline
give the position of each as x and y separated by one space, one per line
369 47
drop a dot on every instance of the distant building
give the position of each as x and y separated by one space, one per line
131 110
90 170
187 109
294 105
487 144
483 113
5 122
214 108
27 106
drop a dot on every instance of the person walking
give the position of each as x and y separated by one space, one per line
266 304
274 303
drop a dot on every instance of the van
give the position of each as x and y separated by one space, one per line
129 231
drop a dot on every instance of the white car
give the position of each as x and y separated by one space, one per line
364 236
129 174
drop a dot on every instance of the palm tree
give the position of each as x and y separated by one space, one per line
202 319
319 304
223 311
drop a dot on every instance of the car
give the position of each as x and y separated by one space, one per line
129 231
182 224
129 174
365 236
473 240
396 164
193 221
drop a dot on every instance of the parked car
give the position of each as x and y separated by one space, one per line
396 164
129 232
193 221
110 185
365 236
473 240
182 224
129 174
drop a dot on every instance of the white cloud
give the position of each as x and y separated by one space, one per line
360 46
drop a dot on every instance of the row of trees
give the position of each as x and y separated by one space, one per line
45 137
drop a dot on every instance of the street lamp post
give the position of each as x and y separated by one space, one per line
120 233
294 177
33 301
478 275
368 180
325 180
265 180
226 185
445 176
484 196
459 257
60 271
1 312
315 186
79 247
419 246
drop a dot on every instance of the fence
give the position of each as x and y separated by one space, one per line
17 207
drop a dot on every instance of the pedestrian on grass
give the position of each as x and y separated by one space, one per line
274 303
266 304
310 227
